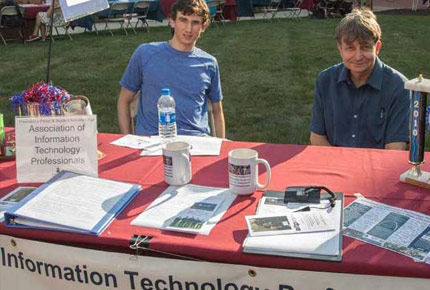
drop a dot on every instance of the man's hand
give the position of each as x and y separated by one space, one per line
396 146
319 140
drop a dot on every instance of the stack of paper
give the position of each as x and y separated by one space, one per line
190 208
323 244
72 202
151 146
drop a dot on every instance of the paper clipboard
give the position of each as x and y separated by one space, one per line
282 245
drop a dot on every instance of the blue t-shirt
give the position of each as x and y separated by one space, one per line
192 78
375 114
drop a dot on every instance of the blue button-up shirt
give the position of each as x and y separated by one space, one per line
375 114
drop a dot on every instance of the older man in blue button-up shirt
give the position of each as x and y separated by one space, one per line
362 101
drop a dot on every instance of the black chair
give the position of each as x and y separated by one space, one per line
10 17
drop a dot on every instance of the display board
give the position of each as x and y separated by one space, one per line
74 9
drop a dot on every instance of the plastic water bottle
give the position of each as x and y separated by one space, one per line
166 116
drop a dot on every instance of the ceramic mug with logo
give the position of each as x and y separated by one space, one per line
243 171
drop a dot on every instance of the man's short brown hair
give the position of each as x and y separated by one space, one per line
191 7
359 25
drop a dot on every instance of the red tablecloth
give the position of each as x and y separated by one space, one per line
374 173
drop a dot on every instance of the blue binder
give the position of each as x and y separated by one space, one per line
14 219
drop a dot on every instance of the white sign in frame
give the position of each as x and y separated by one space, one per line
48 145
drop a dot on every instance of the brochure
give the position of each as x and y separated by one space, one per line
292 223
136 142
399 230
72 202
190 208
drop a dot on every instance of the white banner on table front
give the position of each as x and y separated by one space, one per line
48 266
47 145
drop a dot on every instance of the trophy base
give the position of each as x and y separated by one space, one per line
423 180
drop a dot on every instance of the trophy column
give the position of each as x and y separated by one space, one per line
419 88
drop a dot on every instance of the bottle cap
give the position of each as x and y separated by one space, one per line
165 92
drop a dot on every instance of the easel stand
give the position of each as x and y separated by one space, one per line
51 25
419 88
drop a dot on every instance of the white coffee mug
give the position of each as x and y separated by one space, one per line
243 171
177 163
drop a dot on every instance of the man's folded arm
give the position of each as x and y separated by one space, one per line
218 114
123 106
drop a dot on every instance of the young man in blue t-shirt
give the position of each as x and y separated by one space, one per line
191 74
361 102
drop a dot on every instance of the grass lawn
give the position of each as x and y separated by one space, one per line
268 70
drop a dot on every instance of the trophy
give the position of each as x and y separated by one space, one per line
419 88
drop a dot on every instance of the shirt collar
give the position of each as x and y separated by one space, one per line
374 81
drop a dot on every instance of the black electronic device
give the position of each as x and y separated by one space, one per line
307 194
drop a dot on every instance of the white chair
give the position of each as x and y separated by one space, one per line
270 11
8 11
116 15
294 12
140 12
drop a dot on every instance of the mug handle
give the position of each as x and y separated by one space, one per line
188 162
269 173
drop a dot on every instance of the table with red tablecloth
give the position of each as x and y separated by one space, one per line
29 15
30 10
373 173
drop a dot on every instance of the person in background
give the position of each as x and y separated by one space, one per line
191 74
360 102
43 19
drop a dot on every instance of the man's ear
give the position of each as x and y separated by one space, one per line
378 47
339 47
172 22
206 25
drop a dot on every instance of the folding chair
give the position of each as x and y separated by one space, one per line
64 25
294 12
116 15
140 12
332 8
213 7
9 11
271 10
220 12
